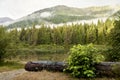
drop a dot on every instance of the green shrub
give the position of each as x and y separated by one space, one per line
82 59
112 54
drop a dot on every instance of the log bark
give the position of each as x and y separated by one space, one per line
45 65
103 68
110 69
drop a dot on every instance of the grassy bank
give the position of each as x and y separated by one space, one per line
42 52
8 66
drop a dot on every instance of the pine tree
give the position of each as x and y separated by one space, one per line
22 35
3 43
115 40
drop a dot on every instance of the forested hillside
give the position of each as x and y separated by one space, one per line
63 14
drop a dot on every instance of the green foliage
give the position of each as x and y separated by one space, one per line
3 42
56 19
44 35
64 35
82 59
40 52
115 41
22 35
61 35
10 65
63 14
112 55
24 23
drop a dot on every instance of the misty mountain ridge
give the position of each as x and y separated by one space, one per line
4 20
63 14
116 14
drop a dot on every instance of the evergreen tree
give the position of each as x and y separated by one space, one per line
14 36
67 35
33 37
115 40
85 29
3 42
44 35
57 35
22 35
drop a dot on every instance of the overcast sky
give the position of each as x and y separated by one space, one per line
19 8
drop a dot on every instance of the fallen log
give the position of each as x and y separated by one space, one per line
103 68
45 65
110 69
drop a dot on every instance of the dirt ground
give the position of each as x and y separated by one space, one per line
44 75
9 75
21 74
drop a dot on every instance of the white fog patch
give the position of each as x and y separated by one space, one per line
45 14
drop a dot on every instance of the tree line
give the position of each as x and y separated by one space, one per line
101 33
66 34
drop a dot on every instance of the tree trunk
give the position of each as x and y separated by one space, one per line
110 69
102 69
45 65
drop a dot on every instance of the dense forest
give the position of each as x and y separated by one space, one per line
66 34
58 39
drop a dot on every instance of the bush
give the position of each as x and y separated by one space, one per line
82 59
112 55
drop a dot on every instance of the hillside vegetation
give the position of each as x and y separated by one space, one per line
49 41
62 14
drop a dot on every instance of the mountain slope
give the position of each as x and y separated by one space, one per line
116 14
4 20
63 14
